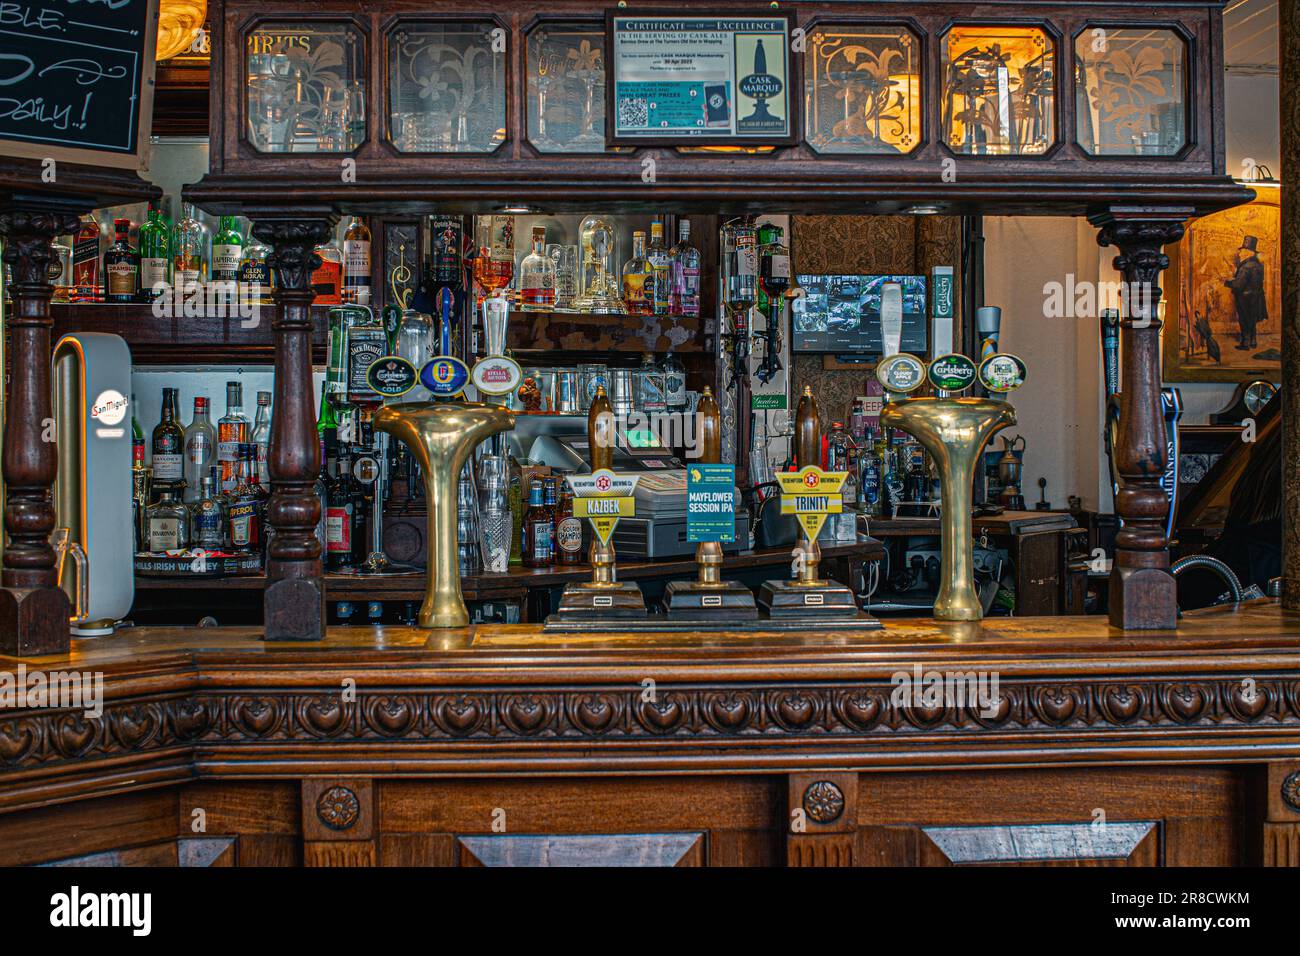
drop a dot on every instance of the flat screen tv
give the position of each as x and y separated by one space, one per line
841 314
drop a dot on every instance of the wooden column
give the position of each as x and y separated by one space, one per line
822 819
294 602
1289 48
1142 591
33 608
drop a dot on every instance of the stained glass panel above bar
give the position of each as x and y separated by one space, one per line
306 87
863 89
1130 91
999 90
446 88
566 87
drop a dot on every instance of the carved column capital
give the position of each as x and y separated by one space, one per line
292 242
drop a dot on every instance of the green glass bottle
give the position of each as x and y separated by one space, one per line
155 254
325 420
227 251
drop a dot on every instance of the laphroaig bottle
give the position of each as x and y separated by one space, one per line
168 448
155 254
639 279
657 255
684 274
121 266
227 251
356 262
190 258
200 449
536 545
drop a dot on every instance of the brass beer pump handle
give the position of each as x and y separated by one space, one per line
708 554
808 451
600 444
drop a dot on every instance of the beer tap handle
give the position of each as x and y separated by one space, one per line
600 431
807 430
710 418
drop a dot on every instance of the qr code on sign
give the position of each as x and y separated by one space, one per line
633 111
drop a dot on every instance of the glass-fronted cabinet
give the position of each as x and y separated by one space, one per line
447 87
862 85
1130 91
999 90
566 87
306 87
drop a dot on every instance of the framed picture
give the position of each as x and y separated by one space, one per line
700 80
1223 296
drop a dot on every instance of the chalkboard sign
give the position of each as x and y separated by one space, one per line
76 79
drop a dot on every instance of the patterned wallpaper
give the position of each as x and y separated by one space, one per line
865 245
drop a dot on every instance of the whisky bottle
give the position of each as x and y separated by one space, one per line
169 523
200 449
232 431
189 251
537 276
367 342
227 252
155 255
86 261
356 263
208 515
327 280
657 255
255 284
168 448
639 279
121 266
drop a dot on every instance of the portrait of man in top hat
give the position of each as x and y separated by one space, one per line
1247 286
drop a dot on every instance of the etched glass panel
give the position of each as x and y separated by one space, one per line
566 88
863 89
999 90
306 87
446 88
1130 91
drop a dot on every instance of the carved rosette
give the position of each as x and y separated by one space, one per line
338 808
1291 790
823 801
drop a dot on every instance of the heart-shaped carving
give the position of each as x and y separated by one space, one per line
924 716
1185 702
796 709
17 740
1122 702
990 712
324 715
593 713
728 711
190 719
256 715
860 709
663 713
392 716
461 715
133 726
1056 705
527 714
73 735
1249 699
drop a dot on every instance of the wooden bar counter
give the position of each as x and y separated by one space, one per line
502 744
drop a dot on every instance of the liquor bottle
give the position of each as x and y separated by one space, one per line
86 261
684 274
227 251
650 387
447 257
141 481
327 280
870 478
208 515
63 281
568 531
321 490
169 523
255 284
136 430
494 264
356 262
657 254
344 532
155 254
334 389
121 266
244 514
537 276
550 501
232 431
200 449
168 447
261 437
536 546
325 420
773 264
367 342
674 384
639 279
190 259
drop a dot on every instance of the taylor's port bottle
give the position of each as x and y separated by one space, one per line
227 251
536 545
356 263
169 448
121 266
155 254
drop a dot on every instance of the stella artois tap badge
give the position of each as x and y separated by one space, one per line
811 494
602 498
